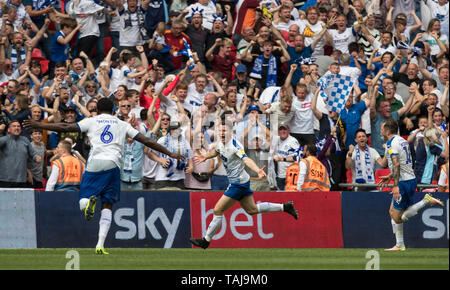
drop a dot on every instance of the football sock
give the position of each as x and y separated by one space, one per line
105 223
213 227
398 231
269 207
83 203
414 209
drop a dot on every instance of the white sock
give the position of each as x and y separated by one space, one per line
398 231
414 209
105 223
83 203
213 227
269 207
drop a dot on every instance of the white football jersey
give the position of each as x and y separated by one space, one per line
107 135
232 154
399 146
288 147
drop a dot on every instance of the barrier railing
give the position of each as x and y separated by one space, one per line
355 186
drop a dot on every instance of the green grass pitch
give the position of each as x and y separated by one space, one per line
224 259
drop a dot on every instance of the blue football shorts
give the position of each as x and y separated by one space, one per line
238 191
407 189
103 184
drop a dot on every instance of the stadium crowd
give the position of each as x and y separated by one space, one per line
175 68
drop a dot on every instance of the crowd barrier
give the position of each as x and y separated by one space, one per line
165 219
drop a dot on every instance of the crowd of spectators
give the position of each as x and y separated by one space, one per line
175 68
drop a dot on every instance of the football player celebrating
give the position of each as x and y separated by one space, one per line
398 158
235 160
101 178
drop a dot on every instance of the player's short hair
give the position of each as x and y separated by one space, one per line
105 105
391 125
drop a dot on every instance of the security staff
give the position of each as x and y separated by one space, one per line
313 175
67 170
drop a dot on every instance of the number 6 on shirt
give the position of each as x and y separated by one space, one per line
106 136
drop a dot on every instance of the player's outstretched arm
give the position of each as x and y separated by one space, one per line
57 127
200 158
252 165
156 146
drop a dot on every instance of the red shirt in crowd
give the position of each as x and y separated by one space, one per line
177 44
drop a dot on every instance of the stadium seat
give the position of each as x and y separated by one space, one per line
383 172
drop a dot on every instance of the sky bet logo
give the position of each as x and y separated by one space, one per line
436 229
124 218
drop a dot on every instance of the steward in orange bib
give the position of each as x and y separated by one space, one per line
67 170
292 177
313 175
443 178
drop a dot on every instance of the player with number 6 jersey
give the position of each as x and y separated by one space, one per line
101 179
107 138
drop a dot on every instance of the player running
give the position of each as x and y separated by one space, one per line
398 158
101 178
235 160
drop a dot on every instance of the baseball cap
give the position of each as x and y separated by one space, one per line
241 68
70 108
253 108
283 125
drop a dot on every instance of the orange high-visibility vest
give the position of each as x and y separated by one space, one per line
70 172
316 178
445 168
292 177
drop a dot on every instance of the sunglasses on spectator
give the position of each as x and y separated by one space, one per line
127 106
90 87
165 119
